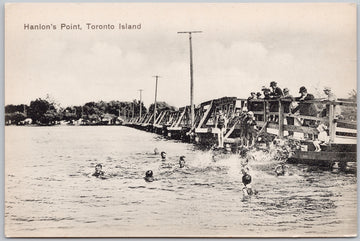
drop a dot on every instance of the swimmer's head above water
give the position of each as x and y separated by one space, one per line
182 161
98 170
149 176
156 151
163 155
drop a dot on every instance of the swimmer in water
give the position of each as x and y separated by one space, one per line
182 162
282 170
246 180
149 176
156 151
163 156
98 171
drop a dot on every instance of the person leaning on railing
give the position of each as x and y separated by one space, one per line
306 109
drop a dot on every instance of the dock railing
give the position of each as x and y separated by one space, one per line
278 113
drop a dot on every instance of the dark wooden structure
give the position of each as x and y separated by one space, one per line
272 117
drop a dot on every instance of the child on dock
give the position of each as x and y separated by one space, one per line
322 136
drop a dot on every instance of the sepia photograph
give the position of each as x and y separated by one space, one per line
180 120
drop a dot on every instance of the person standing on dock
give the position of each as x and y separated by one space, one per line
288 106
276 91
221 125
250 128
249 103
306 109
275 94
331 97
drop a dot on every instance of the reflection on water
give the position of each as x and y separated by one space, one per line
50 190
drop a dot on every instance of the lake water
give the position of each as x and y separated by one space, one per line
49 190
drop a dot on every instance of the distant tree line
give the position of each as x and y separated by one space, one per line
47 112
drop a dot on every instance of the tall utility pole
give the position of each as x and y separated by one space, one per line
192 116
133 109
156 84
140 101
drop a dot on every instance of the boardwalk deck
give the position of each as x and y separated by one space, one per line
271 116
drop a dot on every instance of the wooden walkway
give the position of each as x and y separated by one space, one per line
272 118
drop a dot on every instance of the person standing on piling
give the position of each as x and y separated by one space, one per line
250 129
221 125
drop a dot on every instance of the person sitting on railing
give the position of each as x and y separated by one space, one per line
322 136
258 95
306 109
288 108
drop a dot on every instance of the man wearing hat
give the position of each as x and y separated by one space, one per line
276 91
306 109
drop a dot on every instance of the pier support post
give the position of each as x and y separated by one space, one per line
281 120
332 130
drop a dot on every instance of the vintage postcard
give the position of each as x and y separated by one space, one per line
180 120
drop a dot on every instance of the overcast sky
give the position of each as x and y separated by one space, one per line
242 48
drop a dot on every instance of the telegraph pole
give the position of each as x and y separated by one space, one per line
133 109
156 84
140 90
191 78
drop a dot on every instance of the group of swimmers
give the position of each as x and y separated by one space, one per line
149 174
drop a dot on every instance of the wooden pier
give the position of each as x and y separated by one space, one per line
273 118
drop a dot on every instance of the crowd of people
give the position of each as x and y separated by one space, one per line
300 105
246 119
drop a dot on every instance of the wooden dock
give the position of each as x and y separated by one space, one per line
273 119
